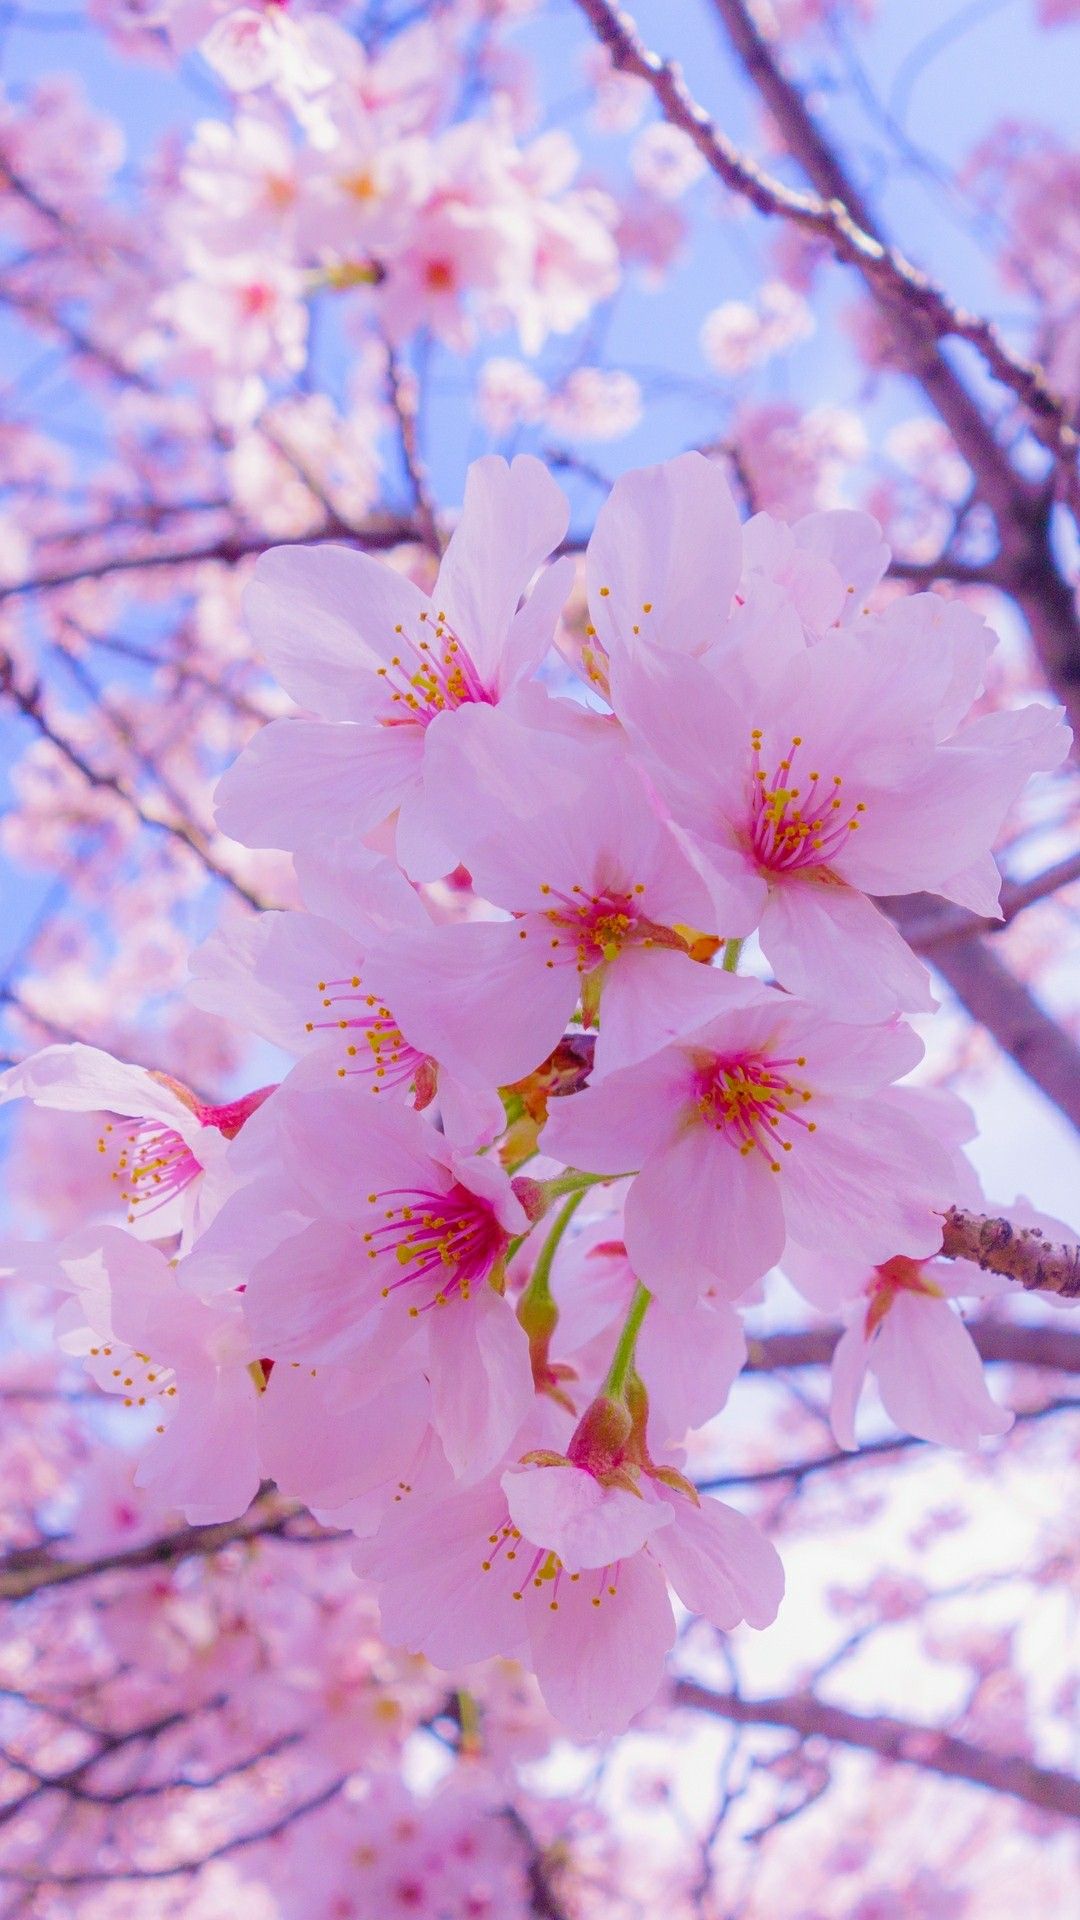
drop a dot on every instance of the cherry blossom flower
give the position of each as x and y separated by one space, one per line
306 984
813 777
361 645
926 1364
569 1563
761 1124
737 336
403 1264
145 1337
605 905
173 1147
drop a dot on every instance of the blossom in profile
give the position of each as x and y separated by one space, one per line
183 1363
162 1145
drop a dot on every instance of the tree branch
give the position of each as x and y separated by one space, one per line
919 314
991 993
268 1517
28 702
998 1341
1023 1254
896 1740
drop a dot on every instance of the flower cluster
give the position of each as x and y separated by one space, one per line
466 1279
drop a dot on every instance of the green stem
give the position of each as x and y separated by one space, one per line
732 950
539 1287
622 1364
575 1182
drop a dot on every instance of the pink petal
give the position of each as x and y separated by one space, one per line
481 1380
701 1214
206 1461
81 1079
302 780
849 1363
568 1511
326 1453
615 1124
930 1376
478 998
651 996
828 943
689 1362
667 536
598 1666
323 620
434 1595
720 1564
302 1302
869 1179
511 519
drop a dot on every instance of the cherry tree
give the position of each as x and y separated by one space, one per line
540 901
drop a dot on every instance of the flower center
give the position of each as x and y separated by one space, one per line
507 1554
793 826
155 1165
750 1101
381 1050
593 927
429 674
155 1162
443 1243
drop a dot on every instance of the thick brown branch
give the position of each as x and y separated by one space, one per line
896 1740
1023 1254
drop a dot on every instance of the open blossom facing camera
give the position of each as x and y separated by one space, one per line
470 1280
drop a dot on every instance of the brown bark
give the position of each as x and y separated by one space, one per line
1023 1254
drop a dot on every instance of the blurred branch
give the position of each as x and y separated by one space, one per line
1020 1253
110 1876
793 1473
941 923
1056 1348
896 1740
28 701
20 1578
401 390
991 993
